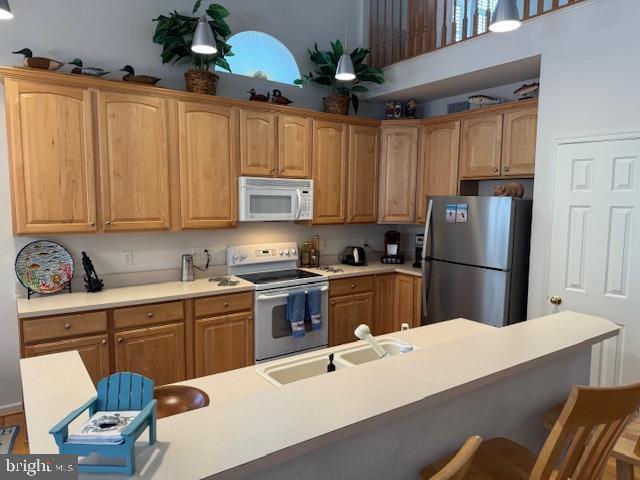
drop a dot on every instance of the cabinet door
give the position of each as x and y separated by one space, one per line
134 162
346 313
208 186
294 146
257 143
329 172
417 302
51 155
384 302
398 165
404 302
480 146
94 352
438 165
155 352
363 174
224 343
519 142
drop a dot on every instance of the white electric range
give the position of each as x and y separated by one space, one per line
273 269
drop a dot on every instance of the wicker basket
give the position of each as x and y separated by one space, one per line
338 104
201 81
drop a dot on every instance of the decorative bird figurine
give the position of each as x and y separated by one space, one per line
278 98
91 71
132 77
38 62
258 97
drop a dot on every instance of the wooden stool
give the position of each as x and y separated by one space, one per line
175 399
579 443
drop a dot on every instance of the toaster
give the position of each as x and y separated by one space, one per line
354 256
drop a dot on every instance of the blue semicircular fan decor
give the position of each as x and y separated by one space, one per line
259 55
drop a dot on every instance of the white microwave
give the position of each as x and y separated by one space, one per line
274 199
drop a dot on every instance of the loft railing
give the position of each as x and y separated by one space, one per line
401 29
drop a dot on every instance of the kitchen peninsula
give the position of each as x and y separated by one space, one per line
396 413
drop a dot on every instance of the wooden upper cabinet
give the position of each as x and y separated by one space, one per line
480 146
134 162
398 165
257 143
329 172
294 146
207 144
519 142
50 133
363 174
438 164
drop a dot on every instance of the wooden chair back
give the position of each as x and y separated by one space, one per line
457 468
124 391
589 426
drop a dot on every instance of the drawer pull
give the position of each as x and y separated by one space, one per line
120 340
353 286
103 342
226 304
150 315
67 326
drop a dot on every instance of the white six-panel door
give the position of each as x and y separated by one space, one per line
595 256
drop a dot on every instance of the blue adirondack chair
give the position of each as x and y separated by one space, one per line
120 391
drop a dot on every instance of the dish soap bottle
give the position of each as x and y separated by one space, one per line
405 339
331 367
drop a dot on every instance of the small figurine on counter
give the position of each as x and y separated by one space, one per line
258 97
278 98
90 71
132 77
38 62
512 189
91 281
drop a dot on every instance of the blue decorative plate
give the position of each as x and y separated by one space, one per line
44 267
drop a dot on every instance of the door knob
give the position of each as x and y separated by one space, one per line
556 300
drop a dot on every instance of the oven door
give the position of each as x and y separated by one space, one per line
269 204
273 331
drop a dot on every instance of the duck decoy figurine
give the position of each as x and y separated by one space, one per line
91 71
278 98
258 97
38 62
132 77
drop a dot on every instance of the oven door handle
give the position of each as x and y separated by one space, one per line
284 295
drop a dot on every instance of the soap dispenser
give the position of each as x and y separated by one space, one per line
331 367
405 339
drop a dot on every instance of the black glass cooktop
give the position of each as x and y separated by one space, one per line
277 276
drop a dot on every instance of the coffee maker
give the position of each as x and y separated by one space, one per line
392 248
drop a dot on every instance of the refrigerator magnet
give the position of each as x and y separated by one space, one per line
462 211
450 213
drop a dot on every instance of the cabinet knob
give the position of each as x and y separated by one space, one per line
67 326
273 170
103 342
556 300
107 222
150 315
496 169
120 340
353 286
225 304
92 224
506 169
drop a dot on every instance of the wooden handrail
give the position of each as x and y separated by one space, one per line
401 29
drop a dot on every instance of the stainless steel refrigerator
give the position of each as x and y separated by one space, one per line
475 259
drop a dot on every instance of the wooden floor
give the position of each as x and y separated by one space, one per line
21 445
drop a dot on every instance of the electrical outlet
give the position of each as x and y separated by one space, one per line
127 257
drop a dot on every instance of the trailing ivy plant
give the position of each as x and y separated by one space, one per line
175 33
325 74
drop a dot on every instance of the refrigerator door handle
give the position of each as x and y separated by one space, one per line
427 227
426 280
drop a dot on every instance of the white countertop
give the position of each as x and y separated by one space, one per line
251 424
373 268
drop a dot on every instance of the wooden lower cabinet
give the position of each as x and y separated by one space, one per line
417 302
404 301
155 352
397 300
93 350
223 343
346 313
384 294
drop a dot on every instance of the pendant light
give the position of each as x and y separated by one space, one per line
505 17
5 10
203 41
345 72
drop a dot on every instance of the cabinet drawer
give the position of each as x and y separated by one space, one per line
46 328
346 286
221 304
148 314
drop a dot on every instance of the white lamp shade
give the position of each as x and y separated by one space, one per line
345 71
505 17
203 41
5 10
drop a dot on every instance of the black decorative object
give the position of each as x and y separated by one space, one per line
91 281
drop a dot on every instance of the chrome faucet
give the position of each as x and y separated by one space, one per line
363 332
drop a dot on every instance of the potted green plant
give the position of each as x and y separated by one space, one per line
175 33
341 94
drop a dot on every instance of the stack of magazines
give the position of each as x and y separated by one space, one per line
103 428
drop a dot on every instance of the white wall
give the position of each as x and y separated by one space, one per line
589 75
117 32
